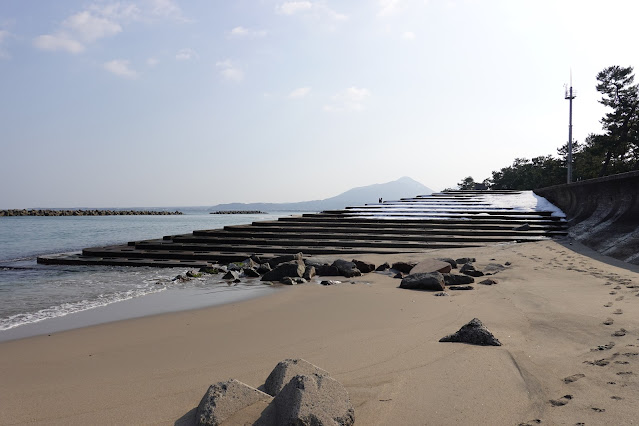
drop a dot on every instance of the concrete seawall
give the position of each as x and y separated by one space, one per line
603 213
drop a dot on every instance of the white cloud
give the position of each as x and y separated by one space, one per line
318 9
58 41
166 9
387 7
120 67
408 35
241 32
89 28
299 92
229 70
186 55
152 62
351 99
4 35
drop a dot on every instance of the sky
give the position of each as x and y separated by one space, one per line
191 103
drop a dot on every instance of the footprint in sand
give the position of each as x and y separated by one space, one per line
598 410
625 373
619 298
618 312
617 287
607 305
604 347
629 354
612 293
598 362
530 423
616 398
573 378
609 321
561 401
622 362
619 333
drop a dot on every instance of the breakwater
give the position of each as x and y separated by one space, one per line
239 212
603 213
54 212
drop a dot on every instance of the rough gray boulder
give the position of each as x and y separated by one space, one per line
423 281
383 267
431 265
285 258
250 272
450 261
463 260
364 267
264 268
488 281
346 268
285 370
461 287
231 275
474 333
314 400
224 399
403 267
327 271
309 272
456 279
294 268
469 269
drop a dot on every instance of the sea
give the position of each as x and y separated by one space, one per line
39 299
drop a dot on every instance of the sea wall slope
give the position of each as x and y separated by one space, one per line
603 213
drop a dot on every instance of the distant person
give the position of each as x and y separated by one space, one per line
380 200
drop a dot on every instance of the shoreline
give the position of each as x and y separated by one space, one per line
379 341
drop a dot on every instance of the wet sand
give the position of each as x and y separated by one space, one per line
569 325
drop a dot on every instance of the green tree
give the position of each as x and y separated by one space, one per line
467 183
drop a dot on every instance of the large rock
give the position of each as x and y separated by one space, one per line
469 269
285 370
285 258
313 400
383 267
456 279
431 265
364 267
327 270
423 281
309 272
346 268
294 268
403 267
224 399
474 333
450 261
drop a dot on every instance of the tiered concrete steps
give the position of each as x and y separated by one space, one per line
443 220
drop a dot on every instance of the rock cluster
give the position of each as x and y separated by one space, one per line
295 393
52 212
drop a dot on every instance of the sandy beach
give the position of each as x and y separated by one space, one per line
568 322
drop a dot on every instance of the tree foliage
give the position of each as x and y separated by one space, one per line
614 151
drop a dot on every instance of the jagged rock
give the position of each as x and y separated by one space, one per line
399 275
346 268
423 281
488 281
294 268
364 267
231 275
250 272
193 274
330 282
224 399
464 260
327 271
285 370
285 258
250 263
383 267
403 267
264 268
309 272
456 279
257 259
461 287
234 266
469 269
313 400
450 261
524 227
431 265
474 333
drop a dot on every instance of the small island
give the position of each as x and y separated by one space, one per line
93 212
238 212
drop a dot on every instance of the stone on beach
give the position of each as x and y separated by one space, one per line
364 267
383 267
469 269
456 279
450 261
285 258
424 281
294 268
431 265
224 399
285 370
314 400
474 333
403 267
231 275
309 272
346 268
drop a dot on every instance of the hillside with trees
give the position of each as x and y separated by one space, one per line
614 151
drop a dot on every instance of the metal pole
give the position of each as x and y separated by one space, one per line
570 138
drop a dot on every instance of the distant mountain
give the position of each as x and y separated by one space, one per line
400 188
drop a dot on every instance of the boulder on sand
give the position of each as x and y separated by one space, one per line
431 265
456 279
403 267
469 269
315 400
294 268
474 333
346 268
224 399
423 281
285 370
364 267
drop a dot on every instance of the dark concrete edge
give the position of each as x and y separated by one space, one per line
579 248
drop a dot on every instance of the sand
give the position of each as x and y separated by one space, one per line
551 310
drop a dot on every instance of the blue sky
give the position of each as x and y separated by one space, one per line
169 103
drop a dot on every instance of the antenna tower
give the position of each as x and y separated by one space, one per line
570 95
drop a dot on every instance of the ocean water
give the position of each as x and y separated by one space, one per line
32 293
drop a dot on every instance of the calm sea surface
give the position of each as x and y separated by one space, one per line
32 293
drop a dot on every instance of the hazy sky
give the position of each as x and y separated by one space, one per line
199 102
